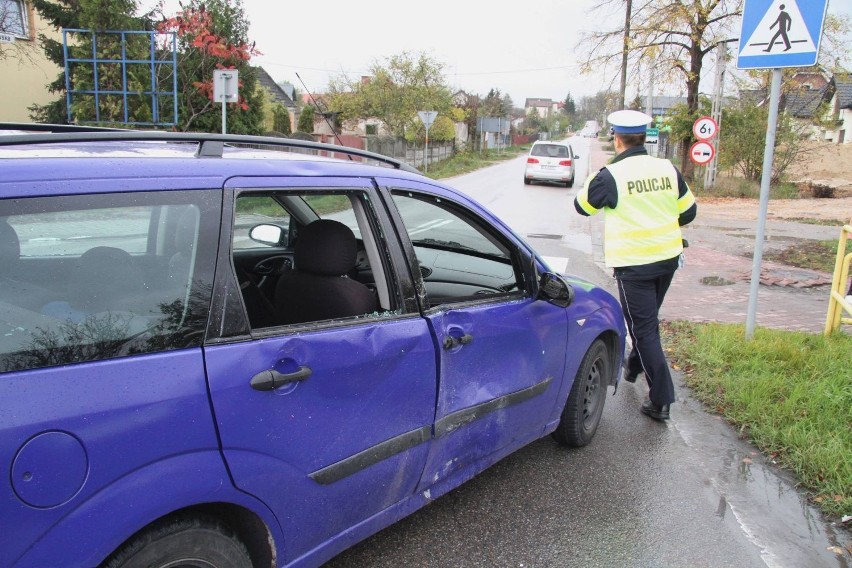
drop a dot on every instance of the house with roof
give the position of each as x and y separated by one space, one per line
544 107
276 97
662 105
804 106
840 110
25 69
804 100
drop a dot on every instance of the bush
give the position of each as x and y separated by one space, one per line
821 191
299 135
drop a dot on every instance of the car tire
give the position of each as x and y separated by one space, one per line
585 404
185 542
527 181
569 183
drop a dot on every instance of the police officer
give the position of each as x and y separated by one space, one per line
645 201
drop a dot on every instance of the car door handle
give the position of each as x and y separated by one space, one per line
450 341
271 379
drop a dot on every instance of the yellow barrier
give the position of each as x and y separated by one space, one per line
837 302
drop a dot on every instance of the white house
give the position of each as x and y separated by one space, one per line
542 106
841 110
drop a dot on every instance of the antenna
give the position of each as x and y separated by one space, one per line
324 114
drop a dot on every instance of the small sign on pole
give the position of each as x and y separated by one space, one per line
225 90
705 128
652 136
427 117
701 153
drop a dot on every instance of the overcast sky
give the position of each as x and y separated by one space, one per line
526 51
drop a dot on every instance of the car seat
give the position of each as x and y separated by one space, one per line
12 289
104 279
318 287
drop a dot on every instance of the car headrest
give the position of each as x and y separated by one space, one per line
326 247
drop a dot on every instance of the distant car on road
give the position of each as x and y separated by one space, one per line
549 161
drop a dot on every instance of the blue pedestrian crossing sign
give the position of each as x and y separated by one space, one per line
780 33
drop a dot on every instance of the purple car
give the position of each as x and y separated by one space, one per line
235 351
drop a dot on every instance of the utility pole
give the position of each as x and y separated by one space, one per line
649 105
625 50
716 112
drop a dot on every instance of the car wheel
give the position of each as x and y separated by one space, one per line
585 404
189 542
569 183
527 181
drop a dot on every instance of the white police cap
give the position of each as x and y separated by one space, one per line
629 121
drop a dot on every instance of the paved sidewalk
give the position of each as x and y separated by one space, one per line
714 284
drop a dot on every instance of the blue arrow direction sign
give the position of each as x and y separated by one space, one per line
780 33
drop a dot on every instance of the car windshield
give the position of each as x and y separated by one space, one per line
550 150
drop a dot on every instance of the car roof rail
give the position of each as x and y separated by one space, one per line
44 127
209 145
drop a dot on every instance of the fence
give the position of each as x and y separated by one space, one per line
837 302
414 154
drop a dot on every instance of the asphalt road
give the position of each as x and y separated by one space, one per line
687 493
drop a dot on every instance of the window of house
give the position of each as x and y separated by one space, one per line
13 18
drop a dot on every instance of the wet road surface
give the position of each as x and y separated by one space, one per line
688 493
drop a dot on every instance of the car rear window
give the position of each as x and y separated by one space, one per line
550 150
95 277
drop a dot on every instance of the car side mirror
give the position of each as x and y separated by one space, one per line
554 289
267 234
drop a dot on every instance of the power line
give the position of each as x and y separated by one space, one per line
478 73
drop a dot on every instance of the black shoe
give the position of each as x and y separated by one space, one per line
654 411
630 376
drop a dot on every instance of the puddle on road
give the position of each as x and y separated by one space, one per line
716 281
763 500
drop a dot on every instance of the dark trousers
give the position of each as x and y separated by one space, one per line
640 302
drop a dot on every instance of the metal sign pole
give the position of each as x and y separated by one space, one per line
768 155
427 117
426 152
225 87
224 119
716 113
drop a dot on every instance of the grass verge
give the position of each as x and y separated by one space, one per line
815 255
789 392
734 186
464 162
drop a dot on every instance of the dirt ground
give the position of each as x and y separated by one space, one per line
821 163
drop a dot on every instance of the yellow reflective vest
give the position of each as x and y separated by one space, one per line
643 227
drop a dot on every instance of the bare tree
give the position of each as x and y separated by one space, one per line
670 36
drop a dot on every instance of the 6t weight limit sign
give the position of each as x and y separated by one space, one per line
705 128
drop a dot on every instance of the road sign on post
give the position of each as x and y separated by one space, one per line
775 34
705 128
225 90
701 153
780 33
428 117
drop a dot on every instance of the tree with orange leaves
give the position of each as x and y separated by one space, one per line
213 34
